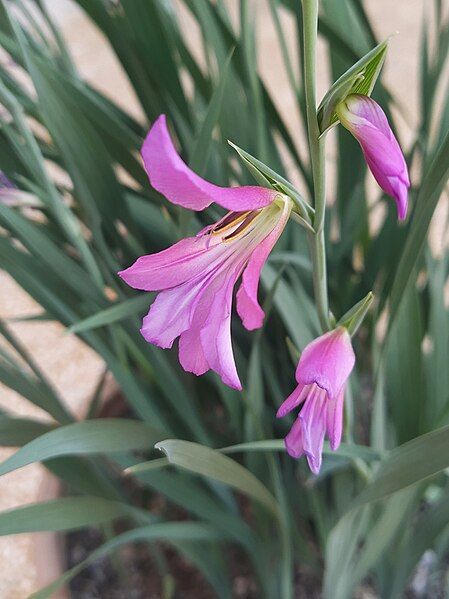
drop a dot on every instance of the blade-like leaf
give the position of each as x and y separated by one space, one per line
83 438
210 463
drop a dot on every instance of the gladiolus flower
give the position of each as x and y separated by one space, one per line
197 275
322 372
366 120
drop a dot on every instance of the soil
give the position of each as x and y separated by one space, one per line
135 573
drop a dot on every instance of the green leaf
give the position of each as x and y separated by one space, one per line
435 178
359 79
203 142
15 432
115 313
427 528
408 464
83 438
210 463
62 514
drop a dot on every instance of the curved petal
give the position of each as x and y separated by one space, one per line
174 266
293 401
313 417
170 175
216 333
382 152
327 361
334 424
191 354
307 433
368 110
293 441
400 194
248 307
171 313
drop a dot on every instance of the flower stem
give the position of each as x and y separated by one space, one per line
316 148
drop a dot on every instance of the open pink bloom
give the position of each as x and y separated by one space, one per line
322 372
197 275
366 120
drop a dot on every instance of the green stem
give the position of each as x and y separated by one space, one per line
316 148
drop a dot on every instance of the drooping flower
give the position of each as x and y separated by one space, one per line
321 374
366 120
195 277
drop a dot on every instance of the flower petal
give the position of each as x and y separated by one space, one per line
313 417
170 175
216 333
174 266
248 307
171 313
327 361
293 441
334 425
191 354
292 401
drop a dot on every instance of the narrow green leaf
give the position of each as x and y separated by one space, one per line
435 178
203 142
90 437
62 514
408 464
116 313
15 432
210 463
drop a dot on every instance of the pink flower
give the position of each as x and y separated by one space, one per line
366 120
197 275
322 372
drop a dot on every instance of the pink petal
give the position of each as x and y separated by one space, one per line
292 401
334 426
171 313
313 417
367 109
293 441
191 354
170 175
248 307
216 335
174 266
307 433
327 361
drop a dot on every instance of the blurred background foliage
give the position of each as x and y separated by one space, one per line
76 207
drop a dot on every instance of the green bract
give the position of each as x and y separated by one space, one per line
359 79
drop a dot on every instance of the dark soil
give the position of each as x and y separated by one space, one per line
136 573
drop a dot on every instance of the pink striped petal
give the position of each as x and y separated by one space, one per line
248 307
171 313
177 264
216 335
170 175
